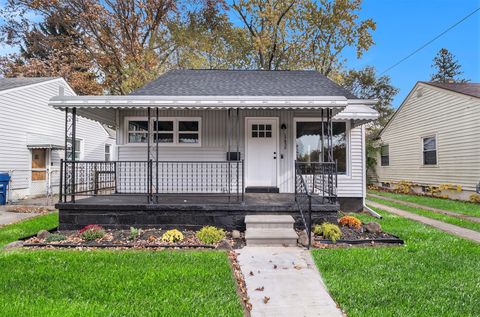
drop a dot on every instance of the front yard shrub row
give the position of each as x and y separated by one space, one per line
328 231
350 221
92 232
172 236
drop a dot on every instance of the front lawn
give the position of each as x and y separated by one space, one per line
430 214
434 274
117 283
461 207
28 227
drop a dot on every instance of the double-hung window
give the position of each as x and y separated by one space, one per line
429 148
78 149
137 131
385 155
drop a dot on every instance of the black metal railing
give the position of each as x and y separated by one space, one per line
321 179
303 199
151 178
317 182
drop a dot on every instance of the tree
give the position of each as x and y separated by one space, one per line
119 36
52 49
365 84
447 68
304 34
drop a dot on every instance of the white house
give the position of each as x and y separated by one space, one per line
32 135
433 140
260 138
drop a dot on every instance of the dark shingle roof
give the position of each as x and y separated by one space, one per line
470 89
10 83
242 83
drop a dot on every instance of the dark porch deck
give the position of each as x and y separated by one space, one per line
184 211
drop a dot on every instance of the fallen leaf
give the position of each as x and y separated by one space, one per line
260 289
266 299
298 267
251 273
275 266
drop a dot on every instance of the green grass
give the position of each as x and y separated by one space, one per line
430 214
117 283
434 274
461 207
25 228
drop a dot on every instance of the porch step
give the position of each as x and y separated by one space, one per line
262 189
270 230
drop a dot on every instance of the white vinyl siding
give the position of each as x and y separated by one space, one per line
453 119
24 112
214 144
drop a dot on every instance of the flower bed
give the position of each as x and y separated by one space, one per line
351 231
133 238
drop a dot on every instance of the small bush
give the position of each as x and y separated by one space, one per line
350 221
328 231
172 236
92 232
134 233
55 237
474 198
210 235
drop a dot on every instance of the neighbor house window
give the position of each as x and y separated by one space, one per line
137 131
429 150
107 152
78 149
385 155
309 143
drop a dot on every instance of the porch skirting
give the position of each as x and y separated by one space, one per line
123 214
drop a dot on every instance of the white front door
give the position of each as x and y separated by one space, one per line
261 151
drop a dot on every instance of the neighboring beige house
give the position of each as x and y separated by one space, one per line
434 140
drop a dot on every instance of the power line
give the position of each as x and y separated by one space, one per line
429 42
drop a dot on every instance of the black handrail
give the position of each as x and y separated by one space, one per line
302 198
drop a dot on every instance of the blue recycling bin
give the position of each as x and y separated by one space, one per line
4 180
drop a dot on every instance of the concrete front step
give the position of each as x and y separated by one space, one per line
271 237
269 221
270 230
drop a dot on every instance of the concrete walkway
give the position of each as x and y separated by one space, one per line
456 230
284 282
7 217
436 210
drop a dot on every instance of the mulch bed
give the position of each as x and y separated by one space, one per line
114 238
29 209
357 237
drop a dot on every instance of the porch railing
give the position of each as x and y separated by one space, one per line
151 178
317 182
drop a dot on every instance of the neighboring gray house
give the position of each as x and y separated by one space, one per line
32 135
195 133
434 139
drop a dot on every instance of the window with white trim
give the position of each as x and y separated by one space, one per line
385 155
78 149
107 152
183 131
429 148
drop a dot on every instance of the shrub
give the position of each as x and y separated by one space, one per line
210 234
55 237
328 231
474 198
134 233
350 221
92 232
172 236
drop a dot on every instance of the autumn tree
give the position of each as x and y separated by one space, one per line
447 67
366 84
207 39
119 36
304 34
53 49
